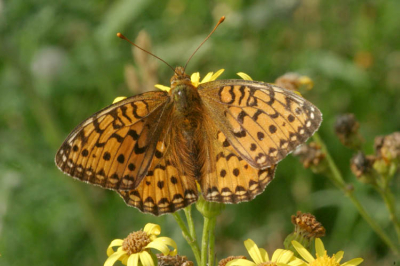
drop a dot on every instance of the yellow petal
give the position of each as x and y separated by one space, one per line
244 76
304 80
120 98
284 256
124 259
162 87
168 241
302 251
283 264
240 262
173 252
159 246
264 254
195 78
297 92
152 229
339 256
277 254
297 262
217 74
133 260
114 257
353 262
207 78
319 247
114 243
253 250
146 258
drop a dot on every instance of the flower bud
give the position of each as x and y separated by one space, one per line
223 262
209 209
346 128
305 230
173 260
294 81
362 168
311 156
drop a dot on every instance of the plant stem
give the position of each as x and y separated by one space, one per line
204 241
338 181
211 252
189 219
387 196
192 243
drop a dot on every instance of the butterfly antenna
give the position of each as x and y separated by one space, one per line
126 39
216 26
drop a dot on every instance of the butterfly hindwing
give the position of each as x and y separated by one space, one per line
227 178
262 122
164 189
114 147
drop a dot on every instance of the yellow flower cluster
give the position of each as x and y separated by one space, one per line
283 257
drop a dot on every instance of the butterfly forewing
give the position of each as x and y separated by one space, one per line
262 122
114 147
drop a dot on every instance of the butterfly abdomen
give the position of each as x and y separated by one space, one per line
187 124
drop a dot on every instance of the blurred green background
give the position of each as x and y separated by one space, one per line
60 61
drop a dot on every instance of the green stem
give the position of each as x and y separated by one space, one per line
204 241
338 180
189 219
387 196
211 252
192 243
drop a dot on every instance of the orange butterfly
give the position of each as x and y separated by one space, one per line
154 148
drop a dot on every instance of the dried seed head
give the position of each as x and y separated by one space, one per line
307 225
311 156
135 242
269 263
223 262
388 147
346 128
173 260
362 167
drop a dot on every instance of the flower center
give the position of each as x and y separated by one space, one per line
324 261
135 242
269 263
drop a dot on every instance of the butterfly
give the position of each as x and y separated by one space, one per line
223 136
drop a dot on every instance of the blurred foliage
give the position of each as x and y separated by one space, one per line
60 61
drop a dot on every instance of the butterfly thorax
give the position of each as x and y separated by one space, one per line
185 96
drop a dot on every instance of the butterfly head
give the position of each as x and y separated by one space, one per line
180 78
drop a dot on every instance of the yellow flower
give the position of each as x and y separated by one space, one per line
135 249
322 258
260 257
195 79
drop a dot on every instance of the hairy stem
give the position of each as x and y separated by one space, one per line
204 241
211 245
189 219
192 243
388 198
